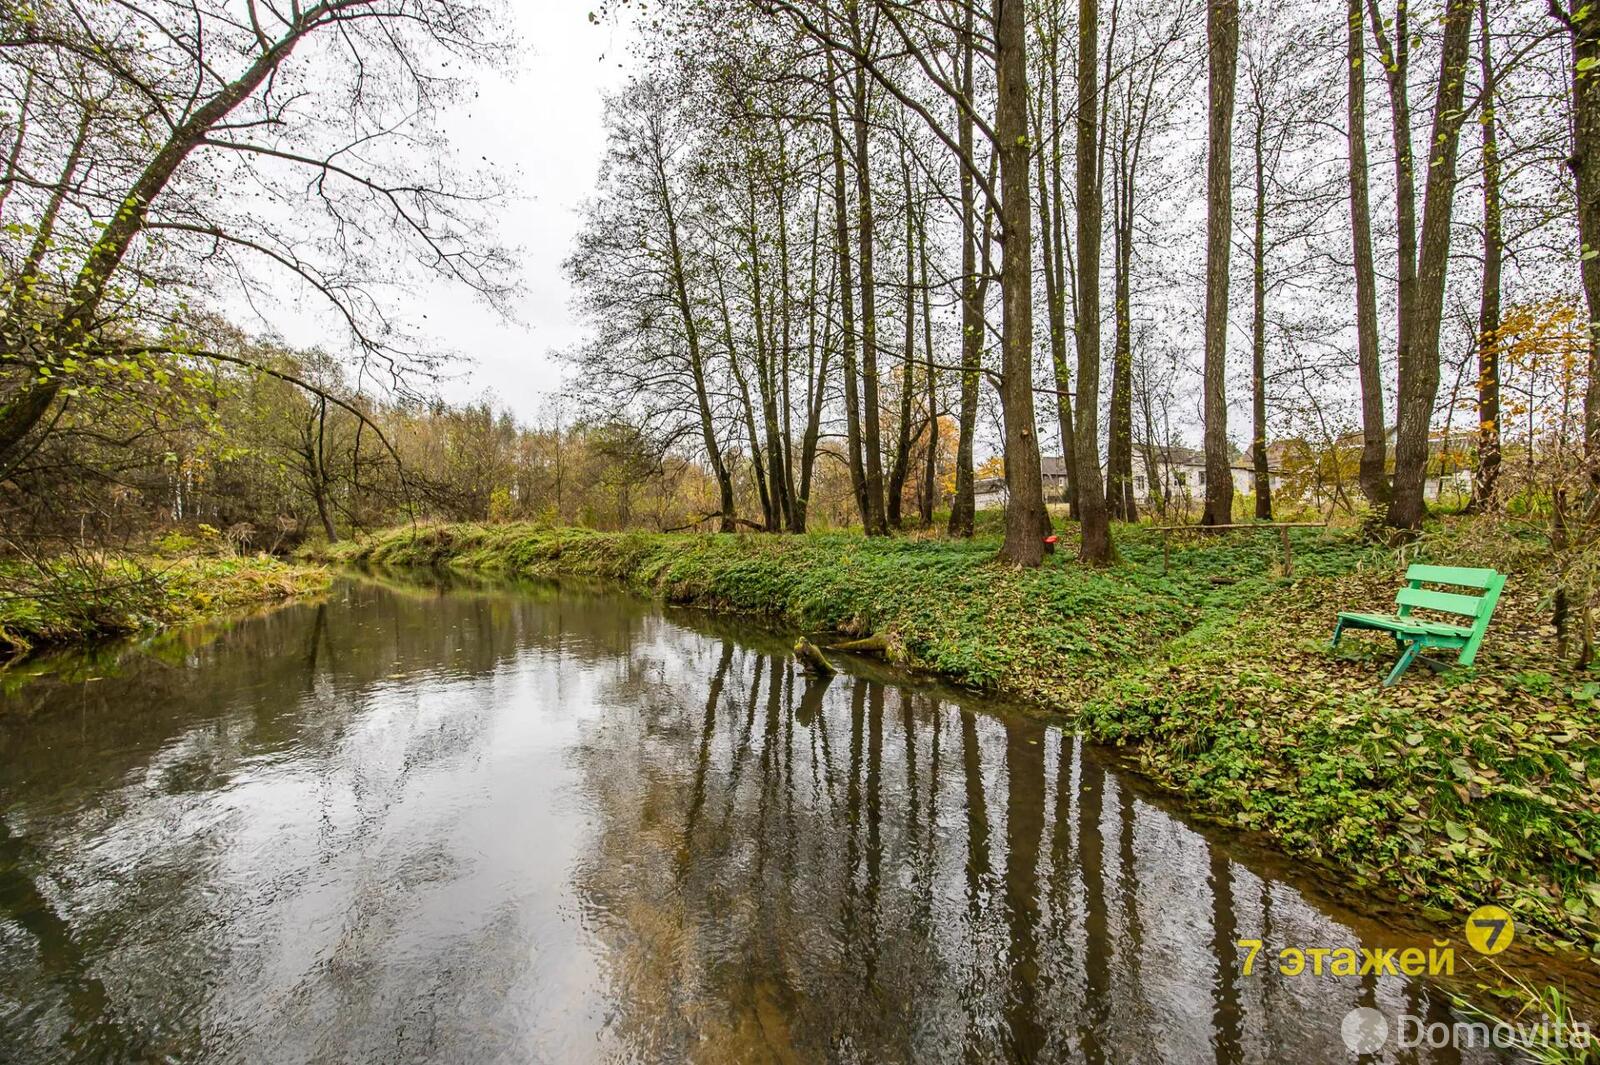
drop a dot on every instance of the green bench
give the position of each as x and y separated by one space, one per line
1415 634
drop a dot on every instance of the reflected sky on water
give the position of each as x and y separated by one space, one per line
468 825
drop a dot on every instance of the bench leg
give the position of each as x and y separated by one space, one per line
1405 662
1338 630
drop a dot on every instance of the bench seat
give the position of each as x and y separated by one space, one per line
1396 623
1413 633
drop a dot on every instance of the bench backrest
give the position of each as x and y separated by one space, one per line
1480 607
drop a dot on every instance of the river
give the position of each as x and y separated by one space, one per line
542 824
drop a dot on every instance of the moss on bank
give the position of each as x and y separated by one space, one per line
90 598
1453 790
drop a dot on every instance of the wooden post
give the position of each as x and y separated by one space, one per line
1166 550
1288 555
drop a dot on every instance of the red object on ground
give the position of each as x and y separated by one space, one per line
1050 544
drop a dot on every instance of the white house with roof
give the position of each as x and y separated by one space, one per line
1180 473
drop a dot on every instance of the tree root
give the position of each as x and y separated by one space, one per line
812 659
877 644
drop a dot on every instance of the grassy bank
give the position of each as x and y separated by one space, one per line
1475 786
89 598
1052 634
1453 790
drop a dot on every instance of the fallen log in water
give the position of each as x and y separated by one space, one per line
876 644
812 659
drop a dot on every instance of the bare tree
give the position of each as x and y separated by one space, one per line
847 307
872 516
1093 518
900 469
631 268
1138 113
1374 431
909 29
1222 35
1048 124
1582 22
972 326
1423 258
1027 521
1488 407
186 109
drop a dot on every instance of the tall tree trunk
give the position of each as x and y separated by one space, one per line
319 472
871 442
691 333
1419 351
1026 517
747 409
1130 145
930 471
1119 443
962 504
785 364
847 324
1396 59
902 444
1222 37
816 379
1374 432
1489 300
1065 283
766 359
1050 237
1258 328
1095 525
1584 26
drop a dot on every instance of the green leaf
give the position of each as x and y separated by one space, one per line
1456 831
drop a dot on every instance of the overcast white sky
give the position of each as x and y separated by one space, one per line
540 124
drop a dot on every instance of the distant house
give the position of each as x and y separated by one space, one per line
989 493
1448 478
1053 468
1180 474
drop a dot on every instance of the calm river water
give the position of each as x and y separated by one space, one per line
546 825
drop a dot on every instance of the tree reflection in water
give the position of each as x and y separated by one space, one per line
451 824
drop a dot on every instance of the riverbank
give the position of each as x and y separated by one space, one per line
96 597
1450 790
1053 634
1469 787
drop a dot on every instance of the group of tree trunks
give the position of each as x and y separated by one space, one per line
1024 133
696 300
